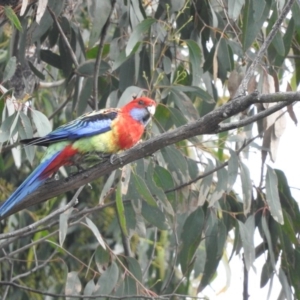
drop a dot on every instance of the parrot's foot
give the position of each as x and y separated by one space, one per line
114 159
79 168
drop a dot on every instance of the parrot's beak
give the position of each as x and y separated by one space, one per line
151 109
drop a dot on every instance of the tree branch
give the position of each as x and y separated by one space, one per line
42 221
208 124
65 39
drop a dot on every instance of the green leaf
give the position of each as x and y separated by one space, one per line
143 190
233 165
194 90
36 72
25 131
121 210
215 237
108 280
89 288
100 11
41 122
65 57
102 259
176 162
287 41
25 122
163 118
246 187
177 117
272 195
247 235
131 217
255 14
191 237
154 216
158 191
220 186
136 35
85 94
195 61
200 259
277 41
185 105
134 267
11 15
285 285
266 273
10 68
128 95
234 8
38 30
267 234
73 285
163 178
5 129
127 287
95 231
51 58
87 68
206 183
107 186
63 225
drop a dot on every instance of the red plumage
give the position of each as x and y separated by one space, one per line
63 159
130 130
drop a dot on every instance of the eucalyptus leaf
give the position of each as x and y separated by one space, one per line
137 33
10 68
246 187
41 122
73 284
272 195
233 165
108 280
95 231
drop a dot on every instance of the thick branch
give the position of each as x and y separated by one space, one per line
208 124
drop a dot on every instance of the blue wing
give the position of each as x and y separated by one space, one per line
87 125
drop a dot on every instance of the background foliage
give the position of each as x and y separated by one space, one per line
156 228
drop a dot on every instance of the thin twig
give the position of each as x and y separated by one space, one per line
10 275
35 268
152 254
79 296
99 54
29 245
211 171
77 216
52 84
254 118
73 256
58 109
65 39
44 220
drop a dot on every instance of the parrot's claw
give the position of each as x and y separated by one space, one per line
114 159
79 168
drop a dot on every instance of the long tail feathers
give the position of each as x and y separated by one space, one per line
32 182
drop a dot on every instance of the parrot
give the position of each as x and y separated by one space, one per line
104 131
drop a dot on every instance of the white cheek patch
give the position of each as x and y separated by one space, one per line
151 110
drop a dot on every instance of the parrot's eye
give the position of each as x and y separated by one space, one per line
141 102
